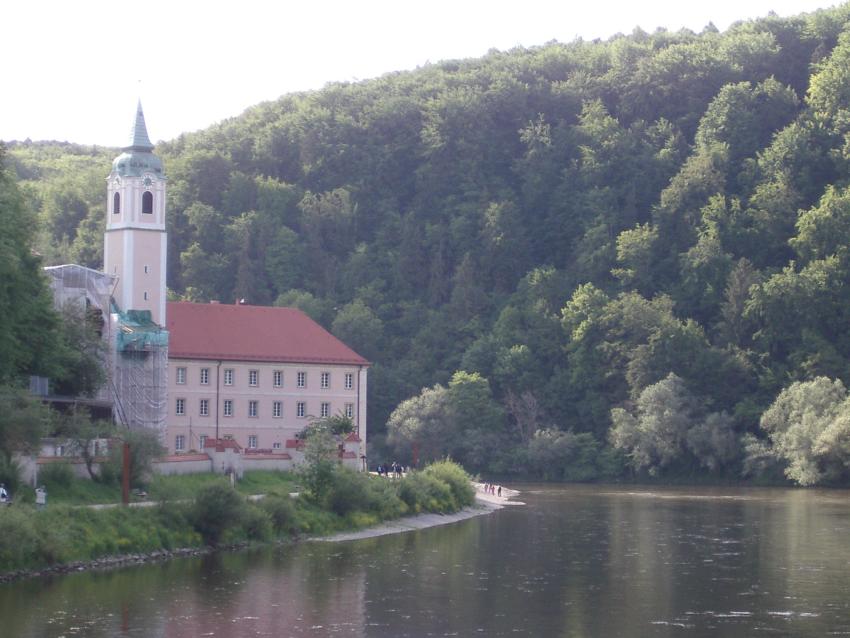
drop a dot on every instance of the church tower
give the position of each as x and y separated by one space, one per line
135 240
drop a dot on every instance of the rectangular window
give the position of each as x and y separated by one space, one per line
180 407
181 376
252 408
228 407
203 442
205 376
252 441
276 445
326 410
278 378
301 380
300 409
179 443
205 407
277 409
349 410
253 378
228 376
326 380
349 381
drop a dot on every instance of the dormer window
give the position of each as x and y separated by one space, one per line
147 203
116 203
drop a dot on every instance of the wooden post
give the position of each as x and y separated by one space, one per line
125 482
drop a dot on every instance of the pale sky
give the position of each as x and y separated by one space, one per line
73 70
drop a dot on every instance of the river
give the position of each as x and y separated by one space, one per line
576 561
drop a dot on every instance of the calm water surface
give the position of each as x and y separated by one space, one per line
576 561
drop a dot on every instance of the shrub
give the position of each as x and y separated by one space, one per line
456 478
281 512
255 523
18 524
349 492
217 508
56 475
421 491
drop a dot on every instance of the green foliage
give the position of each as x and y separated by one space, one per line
423 492
145 446
456 478
23 421
808 431
281 513
29 338
462 421
58 475
318 471
216 509
670 425
557 455
438 221
359 492
84 352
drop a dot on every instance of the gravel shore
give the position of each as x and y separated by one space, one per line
484 504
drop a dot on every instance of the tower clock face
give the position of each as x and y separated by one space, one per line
147 180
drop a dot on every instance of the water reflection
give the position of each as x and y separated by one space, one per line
576 561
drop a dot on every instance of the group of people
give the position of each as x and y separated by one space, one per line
40 496
392 470
495 490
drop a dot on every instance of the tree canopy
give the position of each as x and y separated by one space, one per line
570 224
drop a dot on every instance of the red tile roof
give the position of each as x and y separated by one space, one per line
252 333
352 438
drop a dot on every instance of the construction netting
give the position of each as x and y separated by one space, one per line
137 348
141 370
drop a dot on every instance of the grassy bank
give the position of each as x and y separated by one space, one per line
203 510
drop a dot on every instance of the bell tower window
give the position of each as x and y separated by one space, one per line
147 202
116 203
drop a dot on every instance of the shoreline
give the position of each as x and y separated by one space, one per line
484 504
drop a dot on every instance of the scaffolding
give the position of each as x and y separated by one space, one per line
136 363
140 370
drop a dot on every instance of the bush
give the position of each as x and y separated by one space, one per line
217 508
18 524
456 478
255 523
281 512
349 492
421 491
56 475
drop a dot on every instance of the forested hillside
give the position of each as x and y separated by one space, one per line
576 260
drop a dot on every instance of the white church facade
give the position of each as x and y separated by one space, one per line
206 375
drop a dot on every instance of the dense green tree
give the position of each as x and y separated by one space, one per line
29 338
